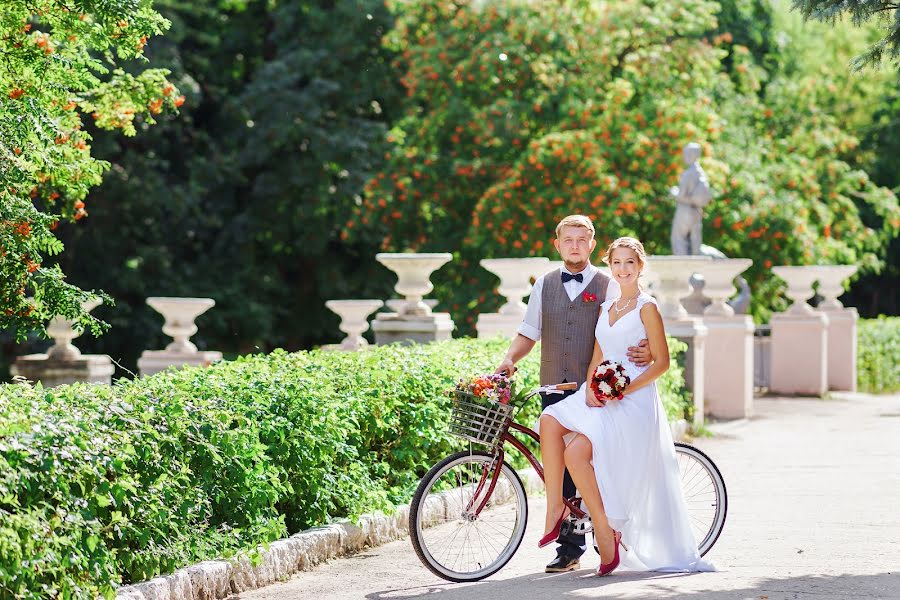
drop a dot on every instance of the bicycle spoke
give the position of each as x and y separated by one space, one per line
457 542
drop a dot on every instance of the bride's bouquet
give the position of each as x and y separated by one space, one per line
609 380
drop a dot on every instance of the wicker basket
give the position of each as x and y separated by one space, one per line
479 420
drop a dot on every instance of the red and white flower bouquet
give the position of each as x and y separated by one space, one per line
609 380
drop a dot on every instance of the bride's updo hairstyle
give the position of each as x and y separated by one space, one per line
627 242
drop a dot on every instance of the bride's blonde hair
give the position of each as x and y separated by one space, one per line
627 242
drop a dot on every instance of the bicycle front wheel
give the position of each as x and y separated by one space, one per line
704 493
448 537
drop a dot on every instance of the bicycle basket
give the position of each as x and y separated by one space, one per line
479 420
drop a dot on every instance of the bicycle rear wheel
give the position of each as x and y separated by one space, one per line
704 493
452 541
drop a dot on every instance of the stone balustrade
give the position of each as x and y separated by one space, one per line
810 350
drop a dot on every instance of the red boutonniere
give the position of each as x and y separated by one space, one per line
586 297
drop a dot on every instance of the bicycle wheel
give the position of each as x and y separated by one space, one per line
449 539
704 493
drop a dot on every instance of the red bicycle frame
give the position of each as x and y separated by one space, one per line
492 471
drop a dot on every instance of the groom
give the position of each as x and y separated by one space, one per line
563 309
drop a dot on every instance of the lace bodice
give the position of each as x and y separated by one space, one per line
627 331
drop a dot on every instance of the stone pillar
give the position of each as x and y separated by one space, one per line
729 344
799 338
179 314
354 316
671 277
515 282
64 363
842 324
415 323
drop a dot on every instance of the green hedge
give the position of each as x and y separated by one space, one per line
878 355
107 485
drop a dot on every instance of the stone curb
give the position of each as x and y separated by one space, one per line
302 551
214 579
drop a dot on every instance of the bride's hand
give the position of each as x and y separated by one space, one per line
592 400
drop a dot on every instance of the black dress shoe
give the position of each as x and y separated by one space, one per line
561 564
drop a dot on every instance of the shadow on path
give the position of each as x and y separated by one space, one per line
583 584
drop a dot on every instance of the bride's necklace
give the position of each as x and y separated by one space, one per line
627 304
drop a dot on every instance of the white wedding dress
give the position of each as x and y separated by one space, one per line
634 458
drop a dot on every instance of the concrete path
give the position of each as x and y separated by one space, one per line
814 490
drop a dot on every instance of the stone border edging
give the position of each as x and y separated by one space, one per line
215 579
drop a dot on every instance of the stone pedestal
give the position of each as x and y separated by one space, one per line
799 353
51 372
670 277
693 332
64 363
497 324
841 327
799 346
354 316
729 366
414 322
179 314
394 327
515 282
842 349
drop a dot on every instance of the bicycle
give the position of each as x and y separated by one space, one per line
468 515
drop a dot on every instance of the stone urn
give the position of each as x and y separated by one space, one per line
671 277
800 280
515 279
63 331
718 277
179 314
354 316
831 280
413 277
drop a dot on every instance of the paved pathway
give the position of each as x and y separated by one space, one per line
814 488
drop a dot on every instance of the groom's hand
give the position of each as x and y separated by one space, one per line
640 354
506 366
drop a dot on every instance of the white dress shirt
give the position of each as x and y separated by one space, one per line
531 323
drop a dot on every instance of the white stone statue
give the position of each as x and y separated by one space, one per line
691 195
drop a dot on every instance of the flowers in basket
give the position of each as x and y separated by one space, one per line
494 387
609 380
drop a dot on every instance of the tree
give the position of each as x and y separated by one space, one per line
61 63
886 13
243 195
508 126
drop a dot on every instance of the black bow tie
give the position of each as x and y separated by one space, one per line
569 277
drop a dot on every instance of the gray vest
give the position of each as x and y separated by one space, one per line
567 329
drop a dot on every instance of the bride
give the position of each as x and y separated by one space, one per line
620 452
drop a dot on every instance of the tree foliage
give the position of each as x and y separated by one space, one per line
885 13
59 65
242 196
508 126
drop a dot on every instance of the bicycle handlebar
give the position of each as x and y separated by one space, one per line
556 388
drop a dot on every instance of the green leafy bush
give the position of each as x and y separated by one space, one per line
104 485
877 363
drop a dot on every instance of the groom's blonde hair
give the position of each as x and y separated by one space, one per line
576 221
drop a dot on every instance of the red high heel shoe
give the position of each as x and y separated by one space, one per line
554 533
611 566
